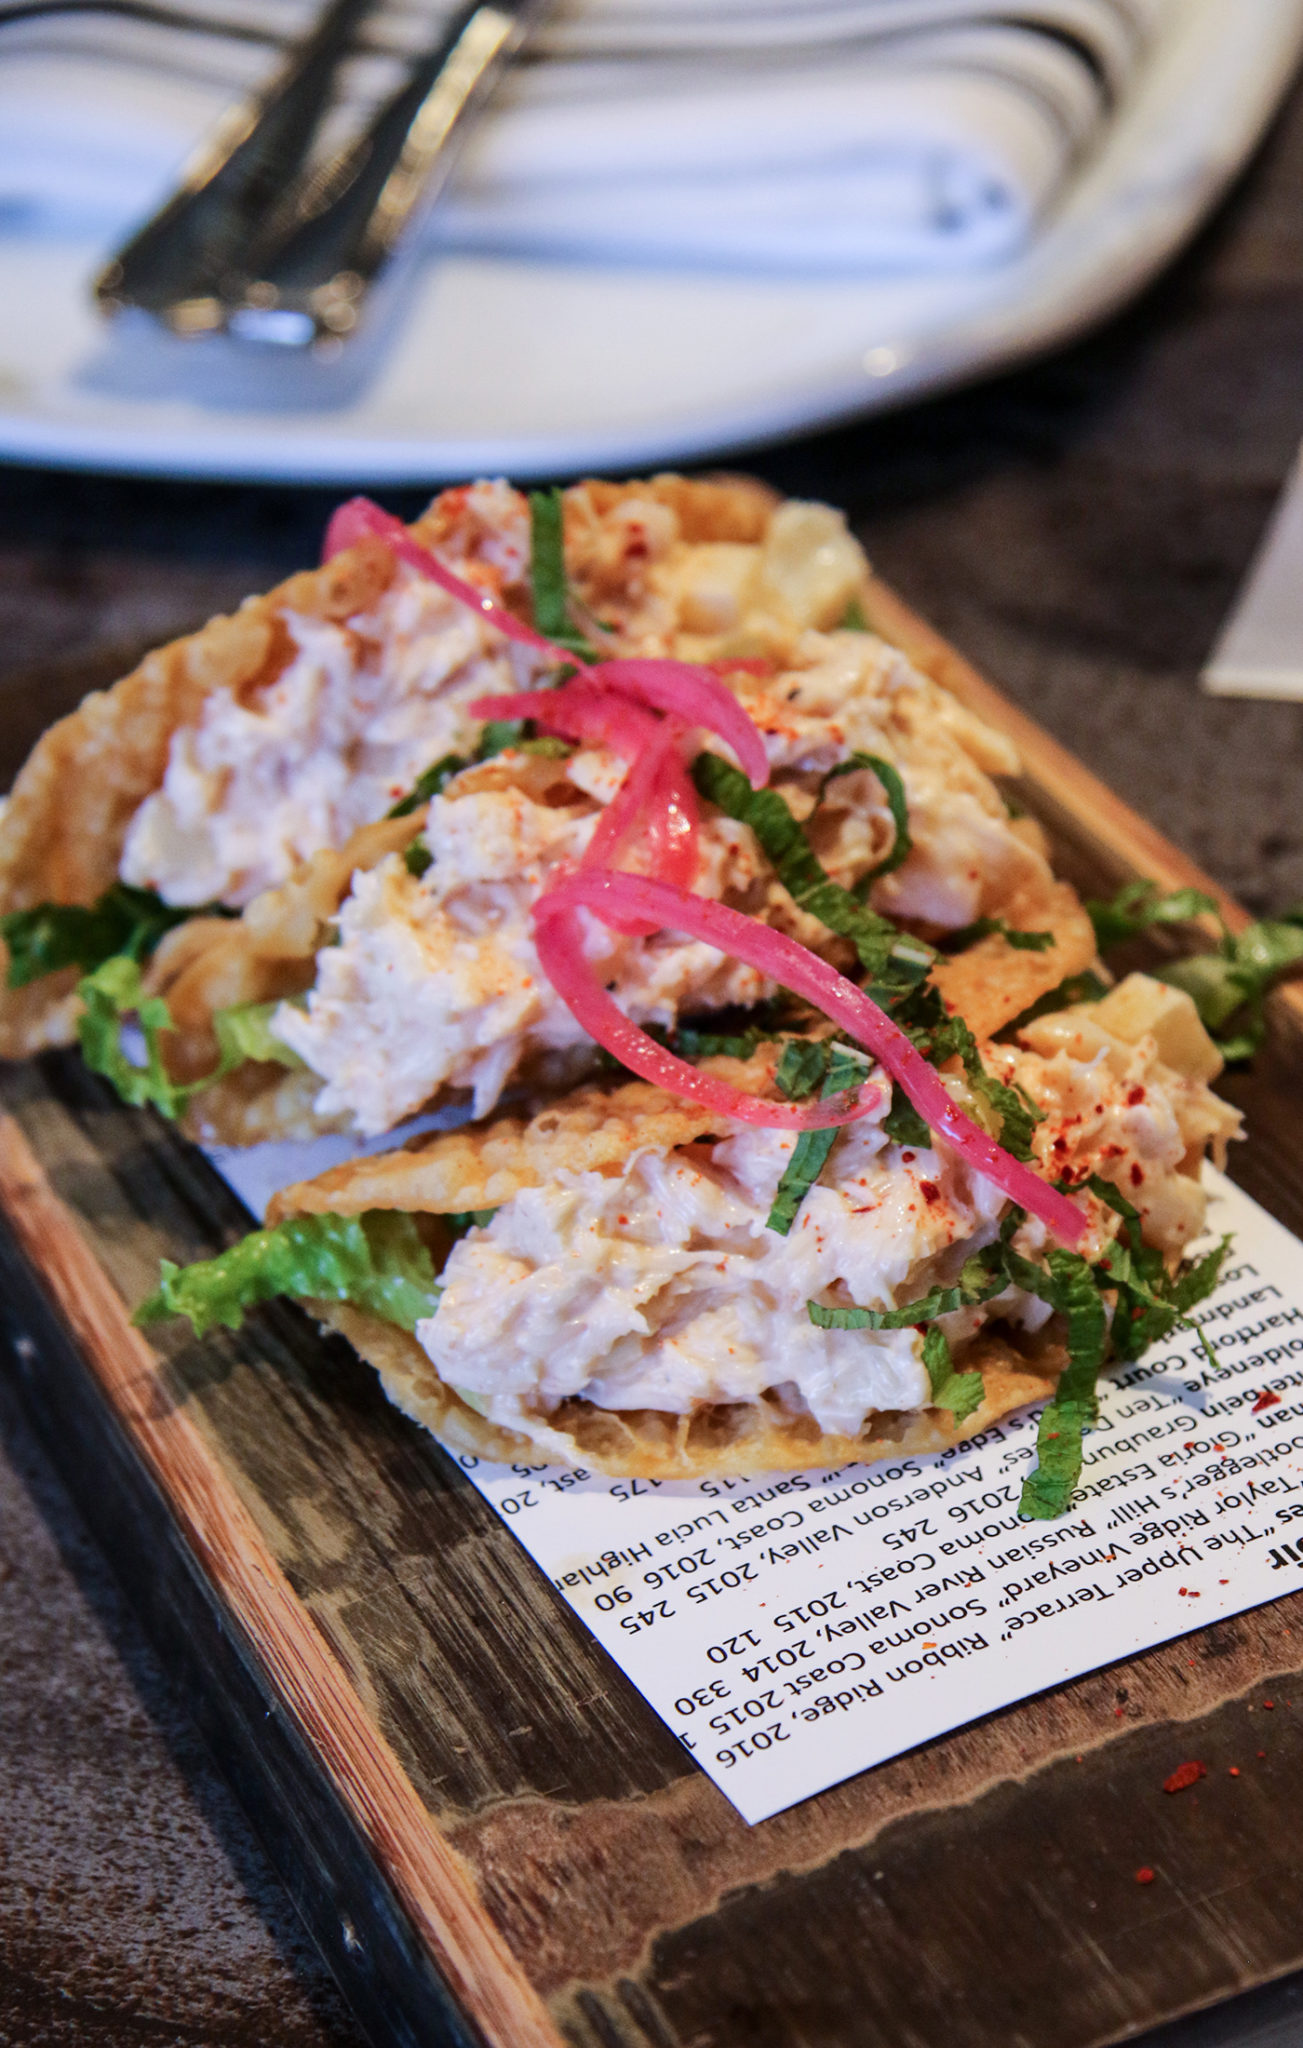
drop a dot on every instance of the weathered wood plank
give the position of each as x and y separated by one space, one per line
230 1553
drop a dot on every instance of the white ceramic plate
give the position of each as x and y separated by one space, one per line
495 365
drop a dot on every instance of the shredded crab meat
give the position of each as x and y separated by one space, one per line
356 713
384 1041
662 1287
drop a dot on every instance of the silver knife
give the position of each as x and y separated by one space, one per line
1259 652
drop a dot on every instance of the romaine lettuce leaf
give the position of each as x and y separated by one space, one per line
113 995
376 1261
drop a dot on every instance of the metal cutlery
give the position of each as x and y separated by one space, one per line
319 252
176 266
261 241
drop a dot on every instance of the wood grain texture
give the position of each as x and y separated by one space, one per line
544 1837
434 1886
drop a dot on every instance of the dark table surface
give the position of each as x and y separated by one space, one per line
1080 530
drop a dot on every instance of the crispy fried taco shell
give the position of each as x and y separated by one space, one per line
598 1130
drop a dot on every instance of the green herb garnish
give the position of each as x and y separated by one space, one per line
902 844
1086 987
429 785
893 957
991 927
113 995
1139 905
839 1068
124 920
960 1392
1149 1304
547 571
377 1261
1229 985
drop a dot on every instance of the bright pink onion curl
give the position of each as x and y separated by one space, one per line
617 899
680 689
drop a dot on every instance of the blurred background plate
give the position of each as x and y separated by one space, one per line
541 367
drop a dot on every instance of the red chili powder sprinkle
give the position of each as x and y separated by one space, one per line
1184 1776
1144 1875
1266 1399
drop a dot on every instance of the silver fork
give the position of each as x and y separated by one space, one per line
176 265
288 254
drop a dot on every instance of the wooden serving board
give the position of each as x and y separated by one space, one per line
492 1837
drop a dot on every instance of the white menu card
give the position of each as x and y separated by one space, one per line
796 1629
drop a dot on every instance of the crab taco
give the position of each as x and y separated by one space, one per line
304 848
632 1283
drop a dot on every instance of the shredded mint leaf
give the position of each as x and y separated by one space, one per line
896 959
734 1045
548 574
376 1261
1074 988
960 1392
123 920
853 620
1200 1279
1017 1112
903 1122
418 859
1047 1491
498 735
842 1069
989 927
459 1221
902 844
1140 904
980 1280
803 1067
429 785
1071 1288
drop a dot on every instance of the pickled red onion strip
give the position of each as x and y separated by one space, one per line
694 695
559 938
688 692
656 804
710 707
361 519
620 896
577 712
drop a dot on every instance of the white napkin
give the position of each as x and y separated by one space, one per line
851 135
